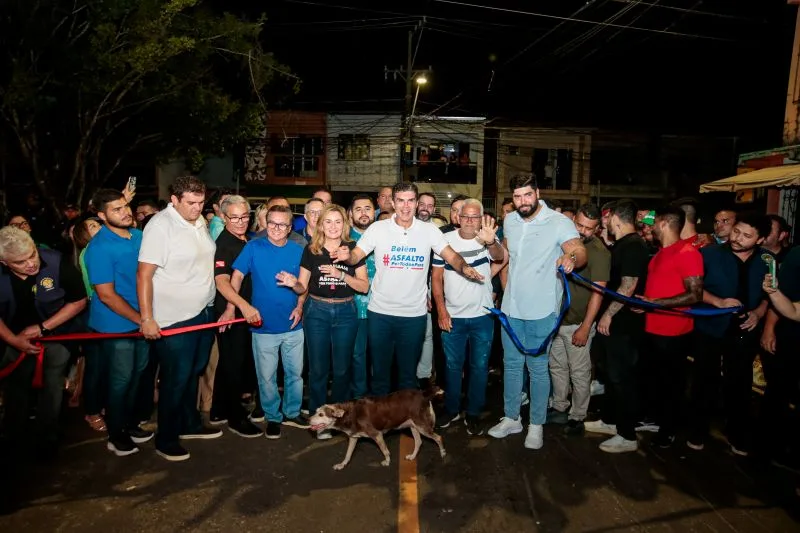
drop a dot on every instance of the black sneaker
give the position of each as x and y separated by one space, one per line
555 416
122 446
174 452
216 420
257 415
445 420
202 433
245 429
474 426
663 441
139 435
273 430
300 422
574 427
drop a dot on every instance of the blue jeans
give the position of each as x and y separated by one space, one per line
127 360
532 333
183 359
330 335
479 331
358 384
390 336
266 350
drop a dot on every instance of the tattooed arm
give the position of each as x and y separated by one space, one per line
626 287
692 294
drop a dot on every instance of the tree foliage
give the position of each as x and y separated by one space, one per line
88 83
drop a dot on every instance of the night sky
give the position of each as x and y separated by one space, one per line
722 70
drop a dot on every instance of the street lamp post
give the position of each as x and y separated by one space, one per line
420 80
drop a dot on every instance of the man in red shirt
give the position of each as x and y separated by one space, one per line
674 279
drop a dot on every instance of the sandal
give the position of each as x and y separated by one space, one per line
95 422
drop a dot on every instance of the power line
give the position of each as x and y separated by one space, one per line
690 11
583 21
348 21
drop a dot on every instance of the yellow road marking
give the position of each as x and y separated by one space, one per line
408 504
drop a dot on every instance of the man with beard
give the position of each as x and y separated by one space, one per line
111 259
538 240
570 360
674 280
426 206
734 275
398 301
362 215
629 260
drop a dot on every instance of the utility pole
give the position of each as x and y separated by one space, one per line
407 74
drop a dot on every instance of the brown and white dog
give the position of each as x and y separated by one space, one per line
372 417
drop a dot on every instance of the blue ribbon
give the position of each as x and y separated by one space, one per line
635 302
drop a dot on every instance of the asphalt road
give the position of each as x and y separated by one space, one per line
483 485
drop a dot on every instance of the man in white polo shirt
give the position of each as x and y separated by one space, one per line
398 307
539 240
175 286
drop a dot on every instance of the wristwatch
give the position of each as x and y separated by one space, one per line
43 328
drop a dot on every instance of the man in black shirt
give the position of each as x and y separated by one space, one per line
40 293
623 330
235 344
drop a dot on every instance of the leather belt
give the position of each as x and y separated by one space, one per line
331 300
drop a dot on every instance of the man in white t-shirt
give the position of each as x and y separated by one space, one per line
399 304
539 240
175 286
463 315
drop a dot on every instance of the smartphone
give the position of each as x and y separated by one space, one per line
773 270
131 186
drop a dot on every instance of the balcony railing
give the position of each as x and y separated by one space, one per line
440 172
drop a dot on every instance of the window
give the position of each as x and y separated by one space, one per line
354 147
296 157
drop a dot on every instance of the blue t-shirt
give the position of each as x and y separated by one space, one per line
113 259
263 261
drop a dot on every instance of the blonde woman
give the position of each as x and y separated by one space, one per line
330 318
260 219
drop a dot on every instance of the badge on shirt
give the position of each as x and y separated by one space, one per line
220 264
47 284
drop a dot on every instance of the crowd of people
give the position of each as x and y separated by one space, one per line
345 302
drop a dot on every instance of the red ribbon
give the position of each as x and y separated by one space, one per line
39 372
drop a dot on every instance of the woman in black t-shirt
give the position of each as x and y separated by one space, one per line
330 318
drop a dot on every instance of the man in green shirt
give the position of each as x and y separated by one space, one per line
570 361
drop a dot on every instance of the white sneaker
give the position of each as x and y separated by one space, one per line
598 426
506 427
617 444
534 439
597 388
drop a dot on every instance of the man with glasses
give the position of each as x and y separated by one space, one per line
274 264
20 222
313 210
235 343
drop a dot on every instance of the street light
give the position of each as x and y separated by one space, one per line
421 80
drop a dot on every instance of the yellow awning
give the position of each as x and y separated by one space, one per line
782 176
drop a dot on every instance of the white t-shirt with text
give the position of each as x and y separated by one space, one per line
402 259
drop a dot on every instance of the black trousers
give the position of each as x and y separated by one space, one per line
235 359
778 428
726 361
621 396
669 361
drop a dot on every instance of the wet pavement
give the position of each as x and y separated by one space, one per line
483 485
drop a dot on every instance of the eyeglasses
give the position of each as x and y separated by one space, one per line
470 217
239 220
278 225
21 225
314 212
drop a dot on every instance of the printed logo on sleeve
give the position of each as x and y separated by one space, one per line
220 264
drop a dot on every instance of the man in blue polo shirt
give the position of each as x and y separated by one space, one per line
112 260
274 264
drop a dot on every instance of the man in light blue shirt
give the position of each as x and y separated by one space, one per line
111 260
539 240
